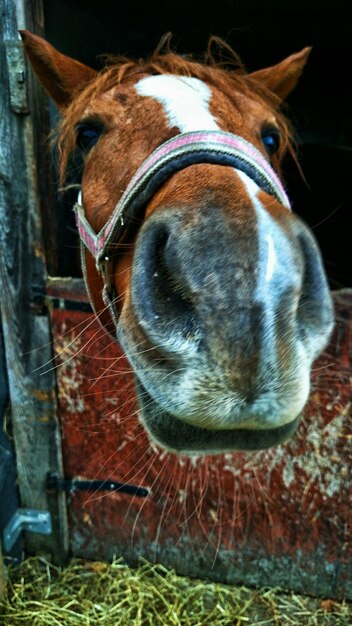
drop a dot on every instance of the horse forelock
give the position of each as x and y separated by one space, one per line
229 80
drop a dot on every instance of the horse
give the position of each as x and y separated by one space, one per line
191 254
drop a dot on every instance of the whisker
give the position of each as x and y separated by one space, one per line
76 337
162 496
327 217
143 503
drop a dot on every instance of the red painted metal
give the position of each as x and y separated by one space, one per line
277 517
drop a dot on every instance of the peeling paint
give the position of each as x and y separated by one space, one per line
43 396
70 378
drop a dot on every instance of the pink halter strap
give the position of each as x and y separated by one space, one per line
185 149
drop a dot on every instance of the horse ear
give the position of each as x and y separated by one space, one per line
283 77
60 75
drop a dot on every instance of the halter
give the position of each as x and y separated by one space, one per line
216 147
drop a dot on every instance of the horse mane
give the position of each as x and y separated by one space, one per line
220 66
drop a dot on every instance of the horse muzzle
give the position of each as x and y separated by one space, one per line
224 319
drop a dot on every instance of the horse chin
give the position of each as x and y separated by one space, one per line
175 435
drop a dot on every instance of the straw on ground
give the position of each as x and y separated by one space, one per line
100 594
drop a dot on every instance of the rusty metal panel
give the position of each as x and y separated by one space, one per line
277 517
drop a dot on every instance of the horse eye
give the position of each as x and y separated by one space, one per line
87 137
271 140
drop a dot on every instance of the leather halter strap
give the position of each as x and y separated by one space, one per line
216 147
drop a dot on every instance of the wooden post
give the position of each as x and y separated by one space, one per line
26 325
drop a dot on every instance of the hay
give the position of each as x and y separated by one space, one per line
101 594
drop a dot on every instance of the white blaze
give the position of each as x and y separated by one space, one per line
250 185
271 260
185 100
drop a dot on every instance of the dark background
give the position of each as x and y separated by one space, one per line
262 33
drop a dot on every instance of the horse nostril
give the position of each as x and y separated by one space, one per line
159 288
315 310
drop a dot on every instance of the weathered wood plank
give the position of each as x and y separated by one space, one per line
27 335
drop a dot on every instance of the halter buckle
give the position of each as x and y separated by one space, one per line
108 292
104 268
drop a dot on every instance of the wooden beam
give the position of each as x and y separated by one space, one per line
27 334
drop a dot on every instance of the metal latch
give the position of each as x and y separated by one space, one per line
54 483
31 520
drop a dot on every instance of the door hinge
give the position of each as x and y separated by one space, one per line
30 520
54 483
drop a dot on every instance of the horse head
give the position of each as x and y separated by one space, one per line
192 256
